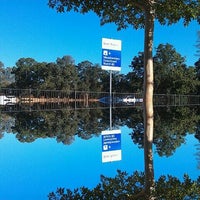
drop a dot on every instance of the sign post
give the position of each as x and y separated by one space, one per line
111 60
111 139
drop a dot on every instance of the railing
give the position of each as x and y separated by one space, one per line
13 100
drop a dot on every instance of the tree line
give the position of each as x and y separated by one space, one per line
171 125
171 74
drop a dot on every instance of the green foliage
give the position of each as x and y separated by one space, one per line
171 126
63 125
138 14
67 77
6 78
171 11
31 126
124 186
61 75
135 78
198 44
132 13
169 187
91 77
89 123
172 76
120 187
120 84
197 64
25 74
6 123
64 75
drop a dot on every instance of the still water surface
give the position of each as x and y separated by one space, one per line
31 170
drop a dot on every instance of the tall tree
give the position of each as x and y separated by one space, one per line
24 72
68 75
135 78
197 64
89 76
139 14
198 44
121 186
2 72
6 76
171 74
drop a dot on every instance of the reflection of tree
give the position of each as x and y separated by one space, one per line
198 155
6 123
90 123
171 126
197 136
129 117
66 123
197 132
138 185
59 125
62 125
124 186
137 134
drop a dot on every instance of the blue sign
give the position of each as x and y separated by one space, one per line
111 142
111 145
111 58
111 54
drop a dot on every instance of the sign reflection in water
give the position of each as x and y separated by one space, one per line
111 145
30 170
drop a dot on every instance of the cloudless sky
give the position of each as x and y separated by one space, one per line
29 28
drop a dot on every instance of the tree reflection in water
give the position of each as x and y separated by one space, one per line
171 126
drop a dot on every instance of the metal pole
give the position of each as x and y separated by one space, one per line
110 99
110 85
110 116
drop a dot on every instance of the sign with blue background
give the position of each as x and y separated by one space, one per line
111 142
111 145
111 54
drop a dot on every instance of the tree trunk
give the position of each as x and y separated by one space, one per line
148 100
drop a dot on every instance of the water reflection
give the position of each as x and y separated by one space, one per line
16 100
172 124
111 145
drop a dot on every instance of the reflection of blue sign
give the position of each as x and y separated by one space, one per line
111 145
111 142
111 54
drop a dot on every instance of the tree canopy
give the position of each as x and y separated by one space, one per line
125 186
171 74
132 13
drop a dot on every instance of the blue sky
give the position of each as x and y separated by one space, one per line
29 28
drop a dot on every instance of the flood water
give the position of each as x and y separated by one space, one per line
43 150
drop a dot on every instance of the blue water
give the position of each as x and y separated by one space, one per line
30 171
